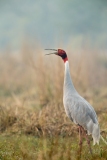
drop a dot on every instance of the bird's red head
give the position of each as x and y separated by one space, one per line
60 53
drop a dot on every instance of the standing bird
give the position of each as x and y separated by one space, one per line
77 108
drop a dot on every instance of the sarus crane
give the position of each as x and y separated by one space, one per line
77 108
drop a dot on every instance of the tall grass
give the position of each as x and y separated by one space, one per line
31 84
31 91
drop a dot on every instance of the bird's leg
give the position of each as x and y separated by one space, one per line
80 138
88 142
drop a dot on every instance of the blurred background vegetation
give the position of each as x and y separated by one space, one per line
51 23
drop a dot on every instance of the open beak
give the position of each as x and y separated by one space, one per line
56 51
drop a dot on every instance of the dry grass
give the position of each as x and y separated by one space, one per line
31 89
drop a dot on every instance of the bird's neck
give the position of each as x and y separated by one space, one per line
68 84
65 59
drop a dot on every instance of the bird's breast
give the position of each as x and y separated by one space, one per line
69 106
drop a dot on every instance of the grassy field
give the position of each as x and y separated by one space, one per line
34 148
33 123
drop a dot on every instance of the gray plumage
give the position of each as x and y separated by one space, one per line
78 109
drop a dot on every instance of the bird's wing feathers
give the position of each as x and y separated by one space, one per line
80 111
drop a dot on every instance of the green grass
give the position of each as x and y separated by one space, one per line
22 147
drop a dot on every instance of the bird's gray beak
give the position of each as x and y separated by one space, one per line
56 51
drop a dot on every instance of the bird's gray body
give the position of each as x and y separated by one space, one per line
78 109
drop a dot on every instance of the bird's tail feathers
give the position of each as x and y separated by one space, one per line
96 134
95 140
103 139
